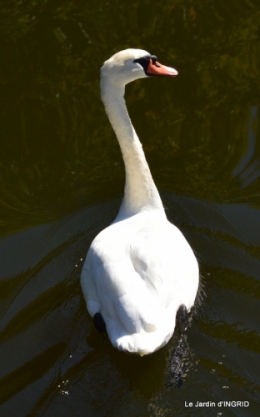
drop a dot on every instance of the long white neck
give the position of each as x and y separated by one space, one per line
140 190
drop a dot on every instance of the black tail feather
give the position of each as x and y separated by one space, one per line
99 323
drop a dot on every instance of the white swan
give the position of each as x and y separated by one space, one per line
140 269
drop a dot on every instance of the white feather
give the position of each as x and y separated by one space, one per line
140 269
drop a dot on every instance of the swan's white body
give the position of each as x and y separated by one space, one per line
140 269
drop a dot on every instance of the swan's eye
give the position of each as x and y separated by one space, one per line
143 60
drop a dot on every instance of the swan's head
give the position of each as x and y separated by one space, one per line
131 64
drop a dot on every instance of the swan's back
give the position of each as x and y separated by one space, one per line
133 276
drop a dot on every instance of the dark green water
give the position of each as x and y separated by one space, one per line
61 181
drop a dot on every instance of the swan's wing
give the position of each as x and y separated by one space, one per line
167 264
112 286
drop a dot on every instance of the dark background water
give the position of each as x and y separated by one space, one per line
61 181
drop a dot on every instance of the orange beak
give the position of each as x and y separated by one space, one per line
159 69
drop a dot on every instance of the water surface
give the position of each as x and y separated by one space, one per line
62 177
